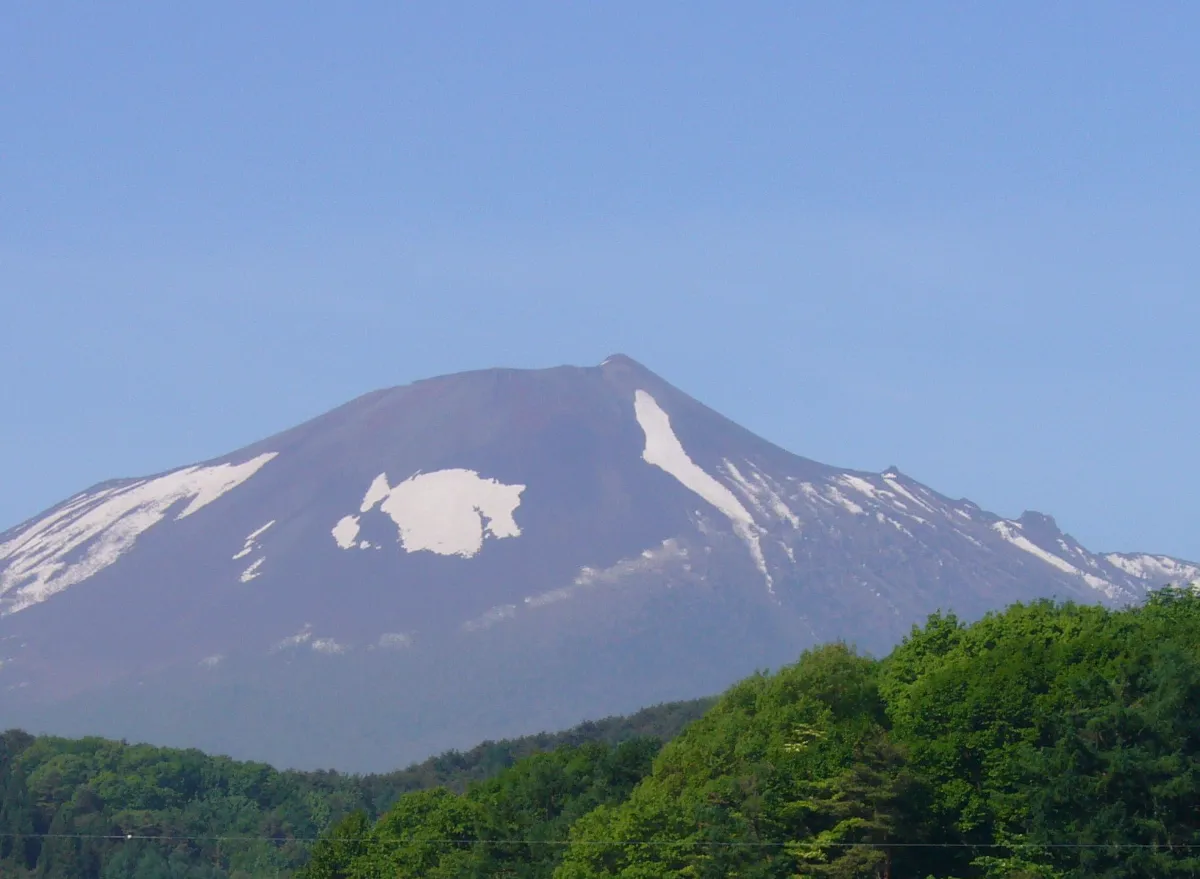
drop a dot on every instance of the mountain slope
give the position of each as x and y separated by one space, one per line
483 555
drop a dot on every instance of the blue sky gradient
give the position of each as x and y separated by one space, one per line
958 238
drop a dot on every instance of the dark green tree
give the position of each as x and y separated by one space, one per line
858 815
62 854
18 844
339 848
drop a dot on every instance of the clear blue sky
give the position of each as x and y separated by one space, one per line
956 237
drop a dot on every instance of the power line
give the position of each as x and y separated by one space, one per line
1011 846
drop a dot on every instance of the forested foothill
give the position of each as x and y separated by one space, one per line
1049 740
88 808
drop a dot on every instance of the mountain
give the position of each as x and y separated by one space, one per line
484 555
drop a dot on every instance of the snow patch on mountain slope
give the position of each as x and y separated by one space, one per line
653 560
253 571
842 501
345 532
880 517
889 495
91 531
448 512
1154 567
1009 533
858 484
451 511
1006 531
901 490
490 618
305 637
810 491
377 493
328 646
758 490
252 541
665 451
302 637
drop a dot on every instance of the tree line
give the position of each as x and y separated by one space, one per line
1049 741
99 809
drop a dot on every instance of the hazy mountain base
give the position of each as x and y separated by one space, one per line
210 817
1047 741
342 711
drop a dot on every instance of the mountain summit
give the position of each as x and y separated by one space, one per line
481 555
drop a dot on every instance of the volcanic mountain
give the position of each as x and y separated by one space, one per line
482 555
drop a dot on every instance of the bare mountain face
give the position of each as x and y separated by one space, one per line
481 555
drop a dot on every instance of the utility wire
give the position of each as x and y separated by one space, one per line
129 837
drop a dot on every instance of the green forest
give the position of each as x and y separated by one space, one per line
1049 740
98 809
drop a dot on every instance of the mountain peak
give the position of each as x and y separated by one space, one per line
622 361
1033 517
